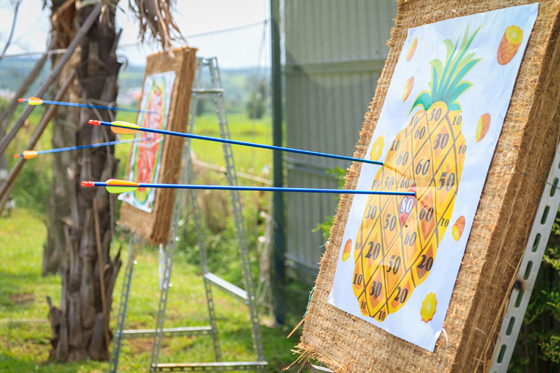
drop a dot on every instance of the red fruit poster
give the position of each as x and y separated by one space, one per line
146 155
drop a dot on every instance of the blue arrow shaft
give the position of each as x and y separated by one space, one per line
262 189
243 143
72 104
58 150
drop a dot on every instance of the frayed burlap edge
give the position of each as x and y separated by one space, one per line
500 229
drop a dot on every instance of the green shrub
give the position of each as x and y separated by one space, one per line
339 174
538 345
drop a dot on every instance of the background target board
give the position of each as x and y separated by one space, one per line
166 90
437 132
146 155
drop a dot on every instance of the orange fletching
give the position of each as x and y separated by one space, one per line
34 101
121 182
130 128
29 154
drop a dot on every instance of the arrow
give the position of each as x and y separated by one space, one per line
121 186
128 128
34 101
32 153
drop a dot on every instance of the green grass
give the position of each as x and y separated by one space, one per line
24 347
248 160
33 185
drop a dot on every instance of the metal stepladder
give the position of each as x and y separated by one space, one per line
247 296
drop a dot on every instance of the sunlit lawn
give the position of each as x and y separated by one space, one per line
248 160
24 334
24 346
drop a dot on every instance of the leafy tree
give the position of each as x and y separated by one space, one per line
258 96
339 174
200 107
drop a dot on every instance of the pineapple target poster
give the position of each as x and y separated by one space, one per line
146 155
436 134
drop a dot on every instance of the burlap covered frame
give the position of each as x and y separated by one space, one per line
154 226
502 223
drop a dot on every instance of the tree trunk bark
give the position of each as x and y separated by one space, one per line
64 125
78 325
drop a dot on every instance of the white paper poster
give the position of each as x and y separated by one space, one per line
436 134
146 155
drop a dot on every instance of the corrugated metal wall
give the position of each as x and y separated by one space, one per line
335 51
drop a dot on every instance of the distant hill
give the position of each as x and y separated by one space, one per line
14 70
235 81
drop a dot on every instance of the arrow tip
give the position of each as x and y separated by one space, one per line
21 100
88 184
17 155
94 122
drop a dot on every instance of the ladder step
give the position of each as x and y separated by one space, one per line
211 367
170 332
226 287
207 92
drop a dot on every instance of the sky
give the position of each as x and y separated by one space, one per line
245 47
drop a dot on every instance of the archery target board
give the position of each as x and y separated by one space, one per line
166 90
146 154
436 134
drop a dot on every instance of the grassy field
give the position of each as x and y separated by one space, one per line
24 346
248 160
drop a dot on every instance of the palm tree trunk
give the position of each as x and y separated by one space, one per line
79 324
64 132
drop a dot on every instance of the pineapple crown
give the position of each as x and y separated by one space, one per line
447 84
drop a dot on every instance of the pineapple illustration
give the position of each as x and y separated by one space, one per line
399 236
412 49
482 126
347 250
511 41
408 88
458 228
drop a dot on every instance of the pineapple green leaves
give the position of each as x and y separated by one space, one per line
447 84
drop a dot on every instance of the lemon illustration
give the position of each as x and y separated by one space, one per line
428 307
377 148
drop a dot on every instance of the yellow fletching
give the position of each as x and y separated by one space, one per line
34 101
130 128
120 186
29 154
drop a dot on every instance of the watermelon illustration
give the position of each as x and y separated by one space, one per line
398 239
148 152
